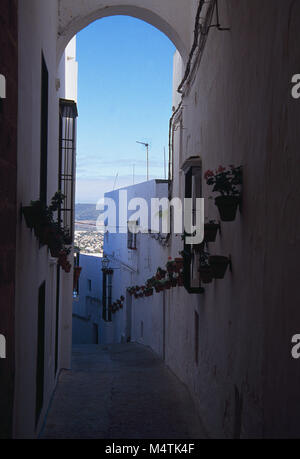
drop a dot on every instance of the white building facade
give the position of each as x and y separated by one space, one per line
87 303
133 259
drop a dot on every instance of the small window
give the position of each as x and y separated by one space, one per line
107 297
192 169
132 236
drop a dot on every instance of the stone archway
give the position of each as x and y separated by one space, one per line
172 17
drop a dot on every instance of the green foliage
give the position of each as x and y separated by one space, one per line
227 182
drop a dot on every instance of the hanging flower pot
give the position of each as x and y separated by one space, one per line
206 274
179 264
180 281
171 265
227 206
174 282
161 273
219 266
211 231
168 285
54 252
227 182
31 215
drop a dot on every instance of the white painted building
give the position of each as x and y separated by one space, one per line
133 261
43 291
87 303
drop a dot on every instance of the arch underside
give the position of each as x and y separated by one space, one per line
79 22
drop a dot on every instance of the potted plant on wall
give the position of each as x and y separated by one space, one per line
40 218
180 280
205 270
227 182
211 229
219 265
161 274
179 263
149 292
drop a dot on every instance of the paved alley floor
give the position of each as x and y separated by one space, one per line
120 392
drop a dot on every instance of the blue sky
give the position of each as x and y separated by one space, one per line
124 95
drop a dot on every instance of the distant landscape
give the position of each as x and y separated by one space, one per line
86 212
87 238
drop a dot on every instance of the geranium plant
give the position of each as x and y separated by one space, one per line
227 182
49 231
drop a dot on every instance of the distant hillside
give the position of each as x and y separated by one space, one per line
86 212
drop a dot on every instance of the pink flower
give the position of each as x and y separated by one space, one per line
221 169
208 174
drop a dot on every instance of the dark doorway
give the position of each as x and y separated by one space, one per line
40 352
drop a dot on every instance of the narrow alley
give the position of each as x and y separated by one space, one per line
120 391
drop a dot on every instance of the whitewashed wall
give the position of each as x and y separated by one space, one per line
87 307
37 32
144 263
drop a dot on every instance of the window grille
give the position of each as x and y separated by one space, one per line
193 190
132 236
67 152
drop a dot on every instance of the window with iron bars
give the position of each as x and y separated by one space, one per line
67 152
107 297
131 235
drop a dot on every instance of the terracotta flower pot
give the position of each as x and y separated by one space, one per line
54 252
206 275
161 274
178 265
180 282
210 232
31 216
219 266
227 206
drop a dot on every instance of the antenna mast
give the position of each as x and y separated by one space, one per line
147 150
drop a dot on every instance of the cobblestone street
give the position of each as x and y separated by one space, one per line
120 392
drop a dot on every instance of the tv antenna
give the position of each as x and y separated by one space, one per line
116 181
147 150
